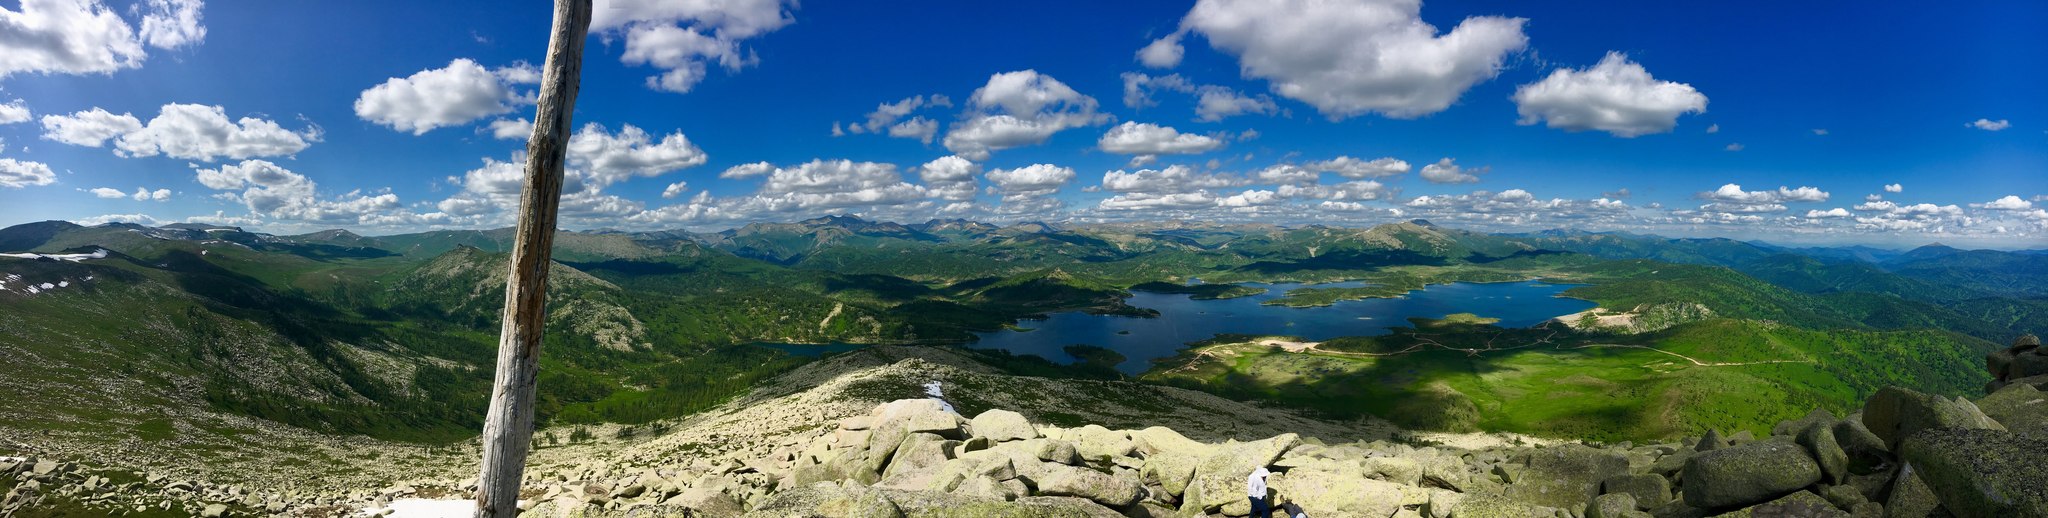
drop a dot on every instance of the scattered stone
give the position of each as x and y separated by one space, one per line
1612 505
1330 493
1895 413
1393 469
1649 491
1911 496
1709 442
1819 440
1096 442
1845 497
1982 472
1803 504
1003 425
1219 479
1794 426
1090 484
1747 474
1566 477
1858 442
2017 407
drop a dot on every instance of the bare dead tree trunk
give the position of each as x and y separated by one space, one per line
508 428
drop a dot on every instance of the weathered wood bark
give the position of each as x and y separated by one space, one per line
508 428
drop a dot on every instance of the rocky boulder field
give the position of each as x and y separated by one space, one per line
829 450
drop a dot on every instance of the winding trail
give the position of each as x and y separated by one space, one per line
1691 359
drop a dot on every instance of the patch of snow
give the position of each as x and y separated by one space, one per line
48 286
63 284
425 508
96 254
932 389
32 290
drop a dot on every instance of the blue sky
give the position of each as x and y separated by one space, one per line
382 116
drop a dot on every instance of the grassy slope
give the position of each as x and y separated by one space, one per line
1564 389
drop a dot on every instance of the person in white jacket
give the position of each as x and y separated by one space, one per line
1255 486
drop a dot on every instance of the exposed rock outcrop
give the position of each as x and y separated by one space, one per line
816 451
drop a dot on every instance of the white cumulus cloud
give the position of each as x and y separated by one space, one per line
14 112
1351 57
169 24
949 177
66 37
1616 96
1162 53
16 174
2006 203
187 131
682 37
270 190
1448 171
605 158
511 129
1133 138
1354 168
461 92
1017 109
1990 125
89 128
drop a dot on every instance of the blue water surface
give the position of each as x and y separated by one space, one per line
1182 319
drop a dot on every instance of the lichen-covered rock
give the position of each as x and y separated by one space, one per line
1003 425
1160 439
1670 464
1911 496
1748 474
1649 491
1393 469
1219 479
1803 504
1982 472
1487 506
1857 440
1058 452
1819 440
1612 505
828 500
1895 413
1566 477
1096 442
1794 426
708 502
1090 484
1709 442
2018 408
917 460
1327 493
1845 497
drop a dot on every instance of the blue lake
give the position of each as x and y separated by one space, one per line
1182 320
